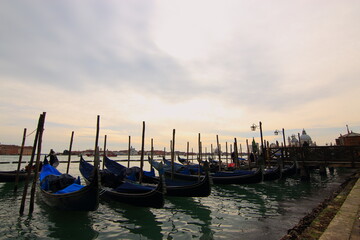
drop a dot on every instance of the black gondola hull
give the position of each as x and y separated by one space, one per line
10 176
200 188
197 188
255 177
86 199
154 198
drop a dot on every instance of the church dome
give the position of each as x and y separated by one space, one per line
305 138
293 141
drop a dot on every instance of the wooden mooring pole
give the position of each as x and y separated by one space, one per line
20 159
152 155
142 153
187 153
172 154
226 154
199 156
104 153
236 154
37 166
97 136
129 149
70 148
22 205
219 153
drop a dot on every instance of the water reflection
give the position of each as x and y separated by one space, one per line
128 220
7 189
196 210
239 200
68 224
263 200
250 211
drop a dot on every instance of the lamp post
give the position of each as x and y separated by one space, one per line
253 128
276 132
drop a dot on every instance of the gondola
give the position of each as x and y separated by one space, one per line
194 188
132 173
199 187
237 177
128 192
74 197
223 177
10 176
272 173
185 165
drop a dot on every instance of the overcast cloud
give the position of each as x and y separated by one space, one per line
210 67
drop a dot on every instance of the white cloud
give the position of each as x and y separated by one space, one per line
199 67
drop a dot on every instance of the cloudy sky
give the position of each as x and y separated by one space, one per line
208 67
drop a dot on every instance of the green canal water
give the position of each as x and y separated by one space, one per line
254 211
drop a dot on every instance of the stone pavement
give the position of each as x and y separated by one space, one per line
346 223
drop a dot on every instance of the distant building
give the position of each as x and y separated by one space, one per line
349 139
126 152
305 139
14 150
293 141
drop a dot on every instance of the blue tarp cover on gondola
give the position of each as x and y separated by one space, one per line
72 188
150 173
51 178
46 170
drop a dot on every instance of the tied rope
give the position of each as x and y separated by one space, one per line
31 132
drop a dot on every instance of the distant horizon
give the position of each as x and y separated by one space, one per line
195 147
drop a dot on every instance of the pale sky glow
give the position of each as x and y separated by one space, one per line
208 67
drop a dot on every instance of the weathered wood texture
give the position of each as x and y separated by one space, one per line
329 156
